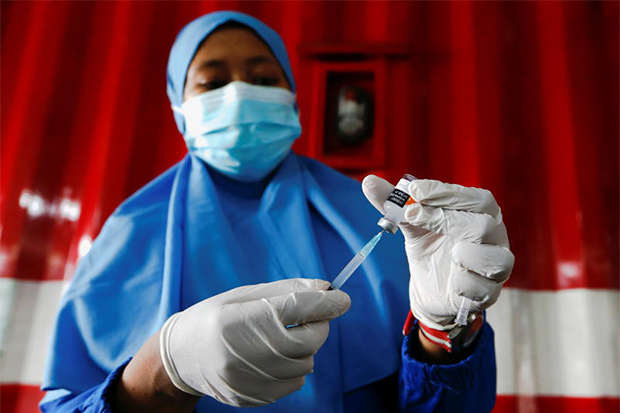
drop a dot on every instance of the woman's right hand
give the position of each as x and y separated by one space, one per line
236 347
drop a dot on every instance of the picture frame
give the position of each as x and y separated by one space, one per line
363 82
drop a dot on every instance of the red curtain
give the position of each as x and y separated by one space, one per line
521 98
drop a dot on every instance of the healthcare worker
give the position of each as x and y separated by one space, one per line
206 290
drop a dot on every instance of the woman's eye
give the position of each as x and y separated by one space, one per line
213 84
265 81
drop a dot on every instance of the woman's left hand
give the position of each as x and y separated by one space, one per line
456 245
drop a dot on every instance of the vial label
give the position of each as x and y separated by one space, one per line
398 196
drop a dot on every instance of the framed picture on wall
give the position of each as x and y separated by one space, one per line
348 117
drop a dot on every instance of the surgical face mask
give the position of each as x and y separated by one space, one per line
243 131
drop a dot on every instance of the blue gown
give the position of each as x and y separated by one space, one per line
192 233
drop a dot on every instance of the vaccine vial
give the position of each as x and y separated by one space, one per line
395 205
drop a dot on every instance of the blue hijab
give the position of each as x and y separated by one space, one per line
190 38
192 233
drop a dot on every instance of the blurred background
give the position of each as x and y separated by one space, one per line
520 98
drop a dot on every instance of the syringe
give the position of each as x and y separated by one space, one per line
394 213
461 317
355 262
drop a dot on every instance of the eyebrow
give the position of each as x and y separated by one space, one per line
252 61
213 63
256 60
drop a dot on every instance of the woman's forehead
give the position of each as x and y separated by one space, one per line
233 41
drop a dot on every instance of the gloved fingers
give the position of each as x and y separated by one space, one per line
377 190
482 291
261 352
452 196
305 339
287 369
259 342
307 306
490 261
264 323
273 289
461 225
288 387
265 392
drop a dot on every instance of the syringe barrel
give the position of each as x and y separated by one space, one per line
347 271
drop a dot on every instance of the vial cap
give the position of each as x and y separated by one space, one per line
387 225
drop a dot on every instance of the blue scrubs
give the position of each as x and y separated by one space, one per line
193 233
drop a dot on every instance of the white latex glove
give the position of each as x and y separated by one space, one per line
456 245
235 346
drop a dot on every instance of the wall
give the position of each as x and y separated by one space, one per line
517 97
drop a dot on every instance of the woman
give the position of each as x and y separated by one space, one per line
221 261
